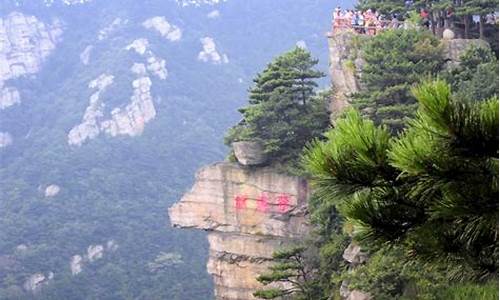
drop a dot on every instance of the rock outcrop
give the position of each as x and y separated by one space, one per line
25 43
249 153
52 190
345 67
249 214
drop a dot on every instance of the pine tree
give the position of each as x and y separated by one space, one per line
476 77
432 191
394 61
291 270
284 111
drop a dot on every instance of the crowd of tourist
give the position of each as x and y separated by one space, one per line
371 22
365 22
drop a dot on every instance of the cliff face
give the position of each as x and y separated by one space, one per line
25 42
249 213
345 67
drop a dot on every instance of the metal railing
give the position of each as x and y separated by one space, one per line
368 29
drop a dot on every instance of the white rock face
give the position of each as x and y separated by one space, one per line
9 96
35 281
214 14
111 28
76 264
89 128
199 2
210 53
95 252
5 139
162 26
140 46
131 120
85 55
139 69
155 65
25 43
52 190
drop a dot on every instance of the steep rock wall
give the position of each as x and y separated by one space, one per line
249 213
345 67
346 64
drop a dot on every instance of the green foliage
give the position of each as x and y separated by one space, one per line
394 61
430 194
487 291
284 111
477 75
292 270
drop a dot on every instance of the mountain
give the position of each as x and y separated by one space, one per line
106 110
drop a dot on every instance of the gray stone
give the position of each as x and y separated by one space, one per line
354 255
249 153
453 49
345 67
358 295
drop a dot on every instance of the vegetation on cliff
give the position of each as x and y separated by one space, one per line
394 60
476 77
428 198
419 193
284 110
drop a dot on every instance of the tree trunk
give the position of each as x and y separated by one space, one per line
481 27
466 26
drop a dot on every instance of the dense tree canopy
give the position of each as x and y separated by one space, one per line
476 77
284 111
431 192
394 61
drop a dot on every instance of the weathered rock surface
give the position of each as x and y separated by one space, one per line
454 48
164 28
250 214
345 66
354 255
25 43
36 281
249 153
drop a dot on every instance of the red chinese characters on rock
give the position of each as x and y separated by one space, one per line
282 201
240 202
263 203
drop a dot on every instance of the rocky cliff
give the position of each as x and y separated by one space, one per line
249 213
346 64
345 68
25 42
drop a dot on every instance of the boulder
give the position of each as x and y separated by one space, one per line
448 34
249 153
354 255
